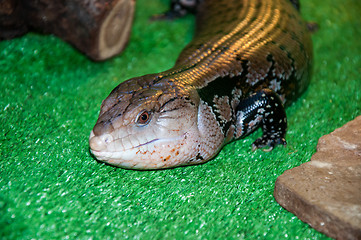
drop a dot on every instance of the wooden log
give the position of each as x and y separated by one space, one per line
11 23
98 28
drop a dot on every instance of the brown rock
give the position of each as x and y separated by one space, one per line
326 191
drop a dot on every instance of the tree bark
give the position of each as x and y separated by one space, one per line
98 28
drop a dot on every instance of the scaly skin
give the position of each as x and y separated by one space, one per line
247 60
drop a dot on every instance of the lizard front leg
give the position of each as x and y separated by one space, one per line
262 108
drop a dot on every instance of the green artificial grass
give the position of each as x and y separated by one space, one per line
52 188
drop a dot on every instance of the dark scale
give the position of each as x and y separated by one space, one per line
262 108
222 86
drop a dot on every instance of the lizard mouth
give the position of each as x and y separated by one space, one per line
102 145
148 155
152 153
107 143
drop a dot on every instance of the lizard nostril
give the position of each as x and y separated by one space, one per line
99 143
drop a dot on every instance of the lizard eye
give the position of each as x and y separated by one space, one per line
143 118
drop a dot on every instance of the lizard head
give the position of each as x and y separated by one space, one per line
147 126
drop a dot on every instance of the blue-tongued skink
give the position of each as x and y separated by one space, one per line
247 60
